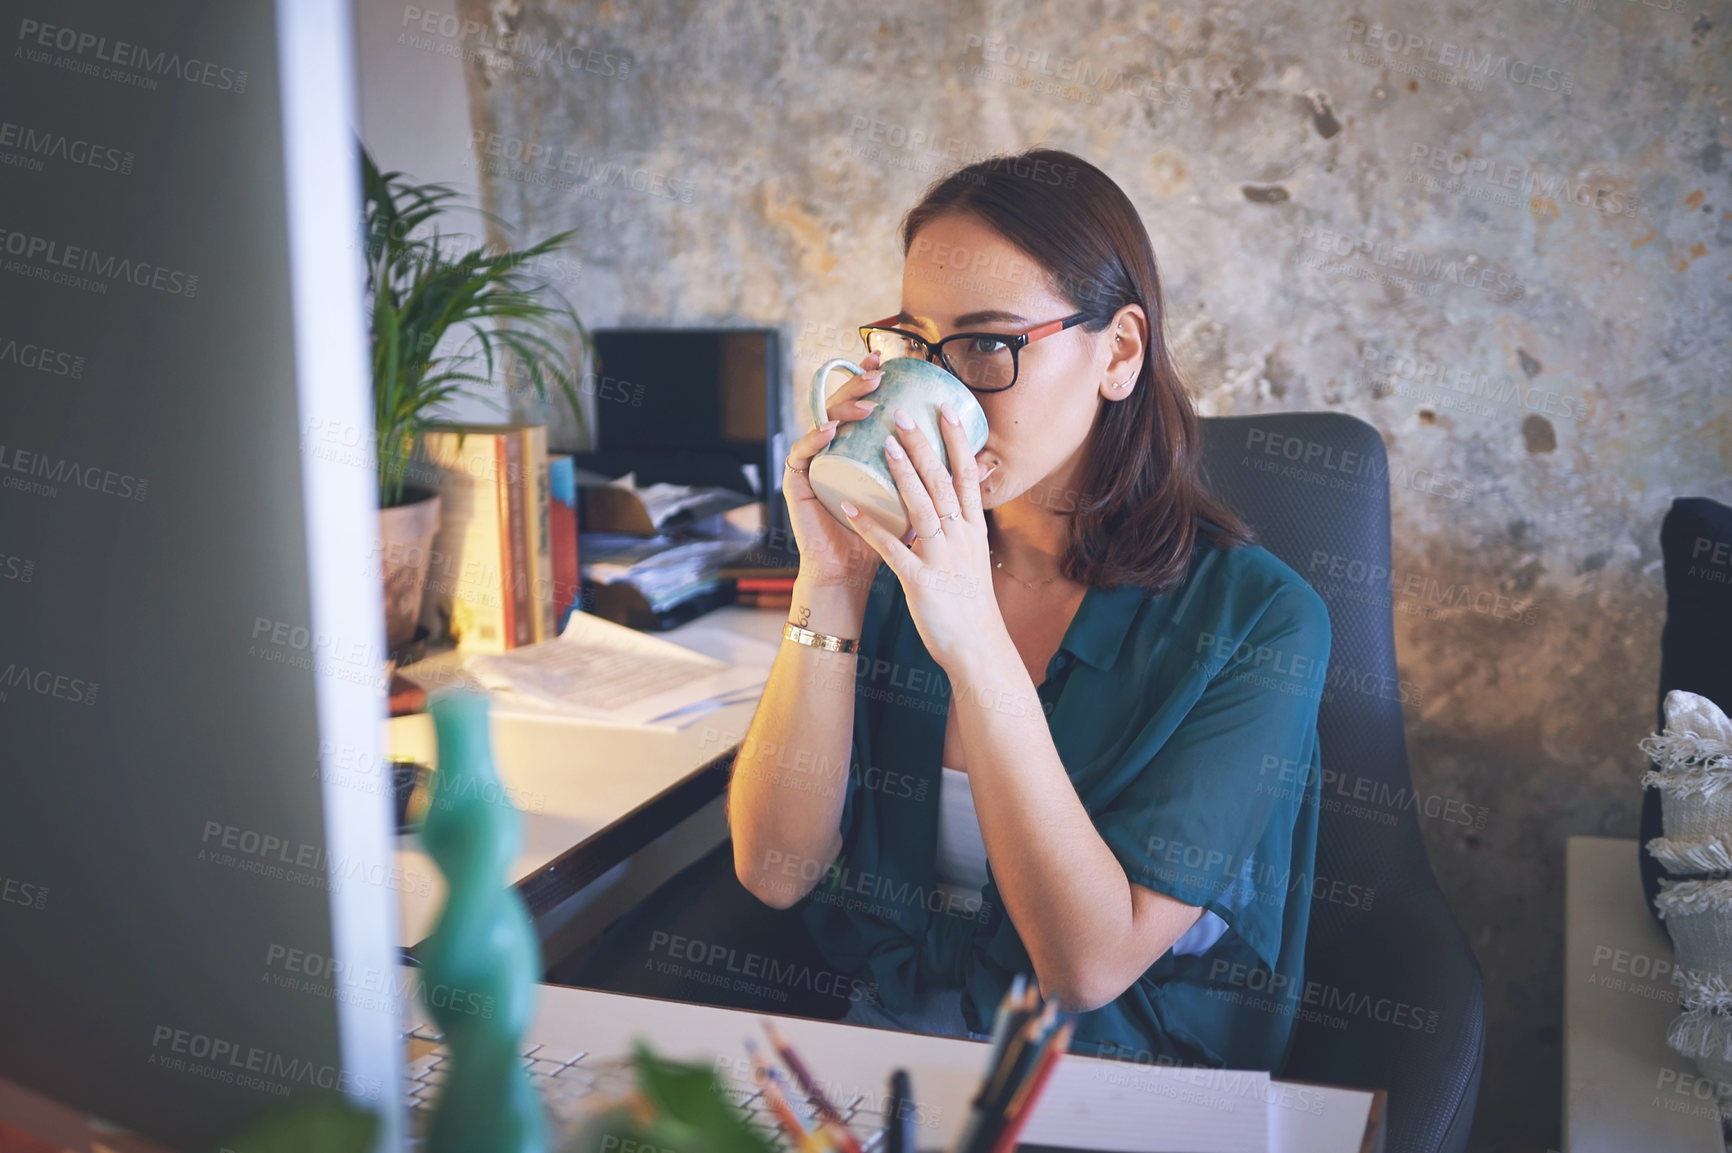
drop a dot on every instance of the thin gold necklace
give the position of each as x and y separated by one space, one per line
999 565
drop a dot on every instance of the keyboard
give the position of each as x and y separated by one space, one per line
573 1084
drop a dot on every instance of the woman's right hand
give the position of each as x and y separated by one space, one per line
831 552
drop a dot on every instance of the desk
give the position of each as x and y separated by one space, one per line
609 811
944 1070
1623 1087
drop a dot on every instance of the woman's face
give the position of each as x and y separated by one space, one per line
962 276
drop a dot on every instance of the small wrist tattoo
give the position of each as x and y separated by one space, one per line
803 615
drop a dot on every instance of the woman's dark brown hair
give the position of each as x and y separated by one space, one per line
1142 503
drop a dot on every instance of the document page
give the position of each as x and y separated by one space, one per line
600 670
1139 1108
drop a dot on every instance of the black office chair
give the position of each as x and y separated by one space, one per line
1315 488
1392 971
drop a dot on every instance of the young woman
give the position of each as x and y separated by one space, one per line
1049 731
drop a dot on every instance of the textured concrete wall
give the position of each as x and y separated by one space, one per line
1499 233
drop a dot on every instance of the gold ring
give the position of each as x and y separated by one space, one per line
939 533
950 516
791 468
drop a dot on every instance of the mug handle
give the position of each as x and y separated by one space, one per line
817 399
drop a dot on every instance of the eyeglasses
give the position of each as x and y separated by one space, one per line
984 361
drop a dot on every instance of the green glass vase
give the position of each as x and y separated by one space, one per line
480 965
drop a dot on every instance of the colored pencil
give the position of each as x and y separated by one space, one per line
1020 1016
1001 1018
826 1111
1004 1023
1019 1065
1007 1022
1018 1053
1022 1104
790 1121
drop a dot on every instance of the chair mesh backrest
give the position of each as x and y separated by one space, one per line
1315 488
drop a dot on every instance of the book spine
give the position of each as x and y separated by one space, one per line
562 515
464 584
520 565
541 529
765 600
501 495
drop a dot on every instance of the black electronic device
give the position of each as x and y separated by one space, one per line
694 406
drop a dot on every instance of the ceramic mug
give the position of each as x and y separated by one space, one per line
852 466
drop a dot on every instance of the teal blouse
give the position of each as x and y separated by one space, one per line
1187 722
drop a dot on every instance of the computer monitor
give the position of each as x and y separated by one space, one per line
195 824
695 406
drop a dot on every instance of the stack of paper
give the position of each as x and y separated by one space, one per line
665 571
602 671
662 507
664 501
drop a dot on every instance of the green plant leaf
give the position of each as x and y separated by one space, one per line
689 1096
420 291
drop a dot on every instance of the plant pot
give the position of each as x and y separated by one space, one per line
406 534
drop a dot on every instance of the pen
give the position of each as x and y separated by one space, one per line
899 1123
826 1111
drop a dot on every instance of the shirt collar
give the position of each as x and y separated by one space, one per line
1098 630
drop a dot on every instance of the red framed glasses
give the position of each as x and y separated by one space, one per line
984 361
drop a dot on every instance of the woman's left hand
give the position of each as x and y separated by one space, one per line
946 575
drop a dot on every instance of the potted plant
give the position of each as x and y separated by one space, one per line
419 289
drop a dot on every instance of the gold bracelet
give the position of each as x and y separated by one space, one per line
795 633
